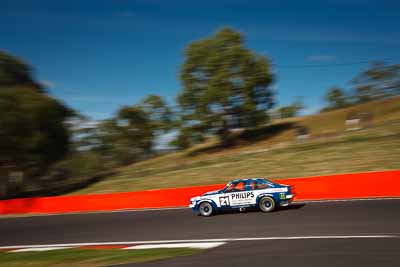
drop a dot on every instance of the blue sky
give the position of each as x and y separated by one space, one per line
99 55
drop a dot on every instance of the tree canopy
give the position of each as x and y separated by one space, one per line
336 98
225 85
32 130
15 72
158 112
379 80
291 110
130 135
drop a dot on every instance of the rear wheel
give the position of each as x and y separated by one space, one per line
267 204
205 209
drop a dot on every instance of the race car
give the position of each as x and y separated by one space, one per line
242 194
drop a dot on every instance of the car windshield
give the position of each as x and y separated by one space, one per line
260 180
226 186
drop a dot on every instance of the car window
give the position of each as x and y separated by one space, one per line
236 186
260 185
240 186
229 187
252 185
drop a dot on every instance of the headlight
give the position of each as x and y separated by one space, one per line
194 199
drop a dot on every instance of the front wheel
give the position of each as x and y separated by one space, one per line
205 209
267 204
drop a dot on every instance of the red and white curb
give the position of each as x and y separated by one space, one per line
205 245
191 243
38 248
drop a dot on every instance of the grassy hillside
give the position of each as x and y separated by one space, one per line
273 151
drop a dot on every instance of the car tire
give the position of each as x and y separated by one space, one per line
205 209
267 204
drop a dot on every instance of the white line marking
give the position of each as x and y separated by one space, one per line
204 245
205 240
28 249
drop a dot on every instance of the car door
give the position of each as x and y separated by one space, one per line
239 194
224 198
252 186
261 187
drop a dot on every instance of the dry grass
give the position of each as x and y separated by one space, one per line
330 150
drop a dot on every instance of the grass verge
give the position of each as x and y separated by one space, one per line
88 258
366 150
274 152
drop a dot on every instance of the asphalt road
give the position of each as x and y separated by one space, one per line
335 218
298 253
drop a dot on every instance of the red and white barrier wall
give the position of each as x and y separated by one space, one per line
342 186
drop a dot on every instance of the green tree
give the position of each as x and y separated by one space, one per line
365 93
291 110
379 80
336 98
181 141
158 112
187 137
120 140
126 138
287 112
103 138
16 73
130 135
225 85
137 127
32 131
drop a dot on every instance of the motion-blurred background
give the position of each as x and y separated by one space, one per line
109 96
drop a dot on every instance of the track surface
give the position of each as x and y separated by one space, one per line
334 218
296 253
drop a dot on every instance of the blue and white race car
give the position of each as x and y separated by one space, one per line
242 194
